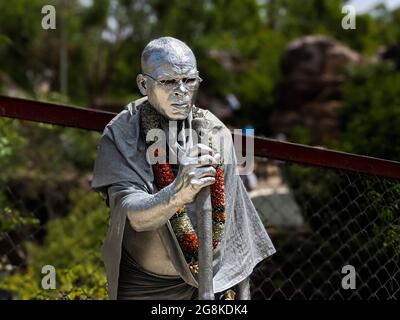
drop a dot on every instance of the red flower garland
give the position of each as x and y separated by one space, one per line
188 240
180 221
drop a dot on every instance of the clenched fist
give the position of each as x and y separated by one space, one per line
196 171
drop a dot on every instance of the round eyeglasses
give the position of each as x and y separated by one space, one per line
189 83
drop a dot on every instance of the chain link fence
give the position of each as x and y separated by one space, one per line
328 226
320 220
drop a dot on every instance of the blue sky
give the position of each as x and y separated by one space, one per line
365 5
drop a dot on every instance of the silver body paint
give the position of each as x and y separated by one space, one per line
168 59
165 59
154 247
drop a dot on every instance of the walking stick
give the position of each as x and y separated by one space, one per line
244 289
203 209
204 221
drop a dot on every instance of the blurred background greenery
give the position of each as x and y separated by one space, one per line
285 67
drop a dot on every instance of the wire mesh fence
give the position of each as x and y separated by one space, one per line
326 225
319 219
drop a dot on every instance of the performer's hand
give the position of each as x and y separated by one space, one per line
196 171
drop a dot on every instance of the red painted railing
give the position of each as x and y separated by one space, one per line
95 120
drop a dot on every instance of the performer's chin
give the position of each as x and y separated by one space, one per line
180 112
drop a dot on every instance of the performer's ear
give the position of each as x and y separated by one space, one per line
142 84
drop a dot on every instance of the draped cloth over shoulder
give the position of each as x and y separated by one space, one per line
121 160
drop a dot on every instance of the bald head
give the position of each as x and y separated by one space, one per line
169 77
167 50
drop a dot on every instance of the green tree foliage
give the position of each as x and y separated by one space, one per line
238 44
370 118
21 34
10 143
72 246
104 41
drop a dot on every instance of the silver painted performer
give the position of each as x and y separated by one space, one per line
142 255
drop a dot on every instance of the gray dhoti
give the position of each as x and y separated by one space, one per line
139 284
122 171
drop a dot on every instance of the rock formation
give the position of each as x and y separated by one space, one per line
309 92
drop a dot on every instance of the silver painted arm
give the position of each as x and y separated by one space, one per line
147 212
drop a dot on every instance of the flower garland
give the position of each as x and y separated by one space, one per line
180 221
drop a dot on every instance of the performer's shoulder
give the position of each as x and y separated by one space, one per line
126 117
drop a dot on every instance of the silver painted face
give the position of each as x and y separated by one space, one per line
171 77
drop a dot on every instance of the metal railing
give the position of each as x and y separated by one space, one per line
329 213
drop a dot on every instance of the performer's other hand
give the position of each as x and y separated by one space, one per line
196 171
